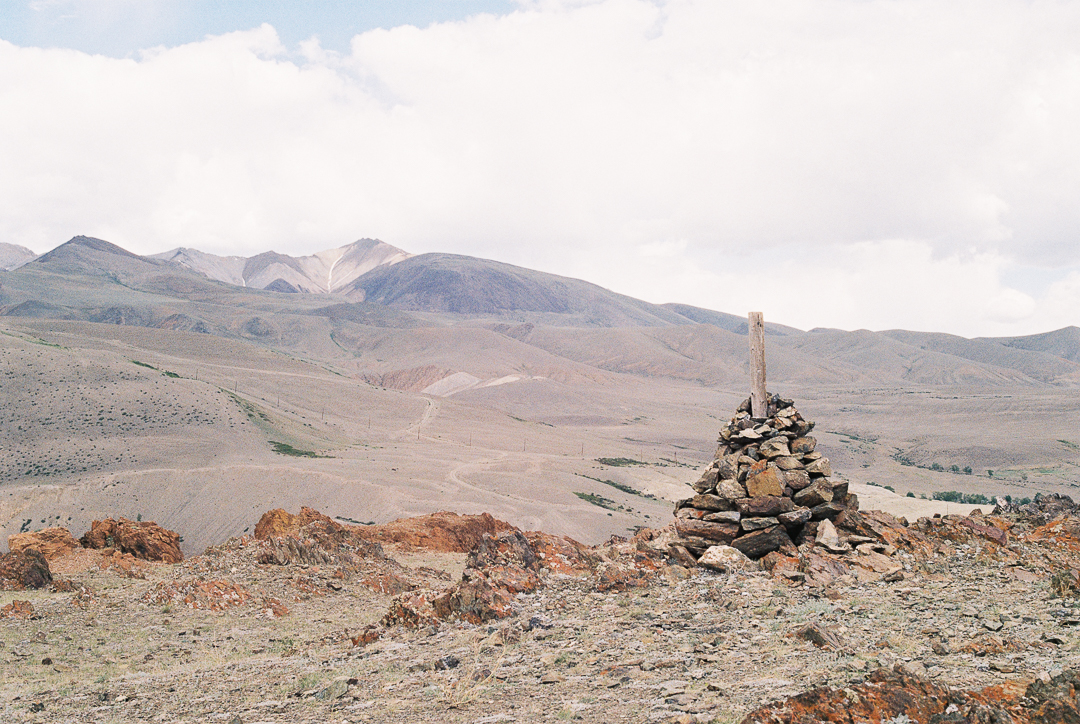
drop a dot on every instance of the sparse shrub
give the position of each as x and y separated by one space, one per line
954 468
910 494
936 466
967 470
955 496
618 462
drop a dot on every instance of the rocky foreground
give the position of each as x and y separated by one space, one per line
450 618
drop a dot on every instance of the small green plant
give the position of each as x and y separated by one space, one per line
143 364
910 494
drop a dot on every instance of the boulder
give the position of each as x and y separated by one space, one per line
708 502
52 542
278 523
803 445
145 540
25 569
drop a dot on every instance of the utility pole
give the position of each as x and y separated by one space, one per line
759 402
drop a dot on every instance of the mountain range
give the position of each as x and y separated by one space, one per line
370 283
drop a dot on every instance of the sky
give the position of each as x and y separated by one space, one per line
856 164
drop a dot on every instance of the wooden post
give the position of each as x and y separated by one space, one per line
759 402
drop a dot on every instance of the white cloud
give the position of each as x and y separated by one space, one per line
569 135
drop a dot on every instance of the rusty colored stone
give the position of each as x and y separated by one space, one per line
767 482
52 542
25 569
145 540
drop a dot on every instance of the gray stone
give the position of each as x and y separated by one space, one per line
795 518
796 479
777 447
752 524
820 467
707 482
760 542
707 530
731 490
826 511
708 502
727 468
725 516
764 505
725 559
786 462
819 492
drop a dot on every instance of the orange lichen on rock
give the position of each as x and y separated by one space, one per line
442 531
17 609
52 542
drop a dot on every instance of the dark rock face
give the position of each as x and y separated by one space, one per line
25 569
770 472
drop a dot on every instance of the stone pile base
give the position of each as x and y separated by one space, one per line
767 489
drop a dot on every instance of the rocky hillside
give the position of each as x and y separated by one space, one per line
453 618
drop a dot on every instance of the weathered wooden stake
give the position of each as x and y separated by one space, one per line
759 402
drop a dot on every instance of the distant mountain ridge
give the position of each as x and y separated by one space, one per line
324 272
451 312
13 256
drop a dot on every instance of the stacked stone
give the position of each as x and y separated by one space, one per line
767 488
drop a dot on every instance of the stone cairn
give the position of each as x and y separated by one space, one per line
767 489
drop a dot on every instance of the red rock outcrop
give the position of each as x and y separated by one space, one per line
52 542
311 538
890 694
25 569
278 523
144 539
442 531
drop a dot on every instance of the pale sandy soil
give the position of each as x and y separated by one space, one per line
186 440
